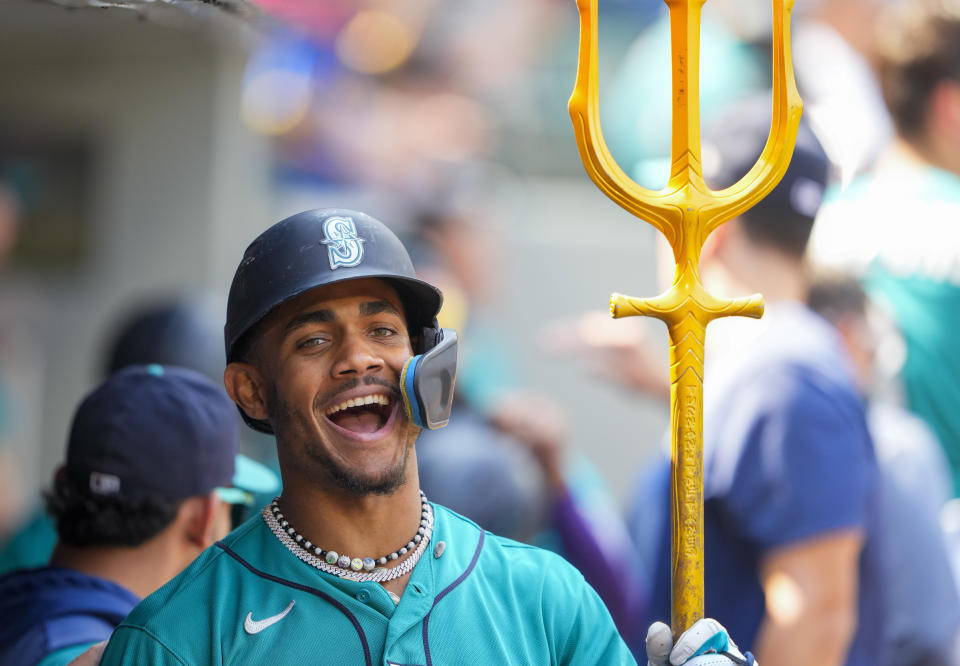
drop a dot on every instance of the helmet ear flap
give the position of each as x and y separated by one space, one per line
428 379
429 337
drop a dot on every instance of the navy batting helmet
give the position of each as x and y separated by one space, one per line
329 245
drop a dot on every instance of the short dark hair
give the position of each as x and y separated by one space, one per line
918 44
788 232
245 348
835 295
784 218
85 519
180 331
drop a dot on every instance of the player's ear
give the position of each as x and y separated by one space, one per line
944 108
717 240
245 386
200 514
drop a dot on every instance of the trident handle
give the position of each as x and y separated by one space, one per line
686 211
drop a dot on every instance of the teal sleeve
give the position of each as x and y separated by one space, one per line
136 645
586 632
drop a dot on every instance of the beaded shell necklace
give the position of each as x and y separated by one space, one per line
352 568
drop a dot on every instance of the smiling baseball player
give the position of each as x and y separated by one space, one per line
332 345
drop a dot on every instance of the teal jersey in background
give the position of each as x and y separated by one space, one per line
31 544
927 312
899 229
482 600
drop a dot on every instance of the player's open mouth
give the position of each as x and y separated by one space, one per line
363 417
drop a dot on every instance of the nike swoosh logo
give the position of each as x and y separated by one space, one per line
252 626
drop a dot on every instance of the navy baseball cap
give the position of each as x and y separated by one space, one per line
732 147
153 431
179 331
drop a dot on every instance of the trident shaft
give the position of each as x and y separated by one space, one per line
686 211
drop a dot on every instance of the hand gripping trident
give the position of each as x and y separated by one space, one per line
686 211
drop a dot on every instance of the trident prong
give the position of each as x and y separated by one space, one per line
686 212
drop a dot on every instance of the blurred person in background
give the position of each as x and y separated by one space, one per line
789 470
185 331
790 478
834 55
923 605
895 227
394 95
145 487
791 511
174 331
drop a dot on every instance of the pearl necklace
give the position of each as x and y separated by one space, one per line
345 561
355 569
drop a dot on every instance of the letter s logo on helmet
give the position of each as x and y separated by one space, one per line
344 246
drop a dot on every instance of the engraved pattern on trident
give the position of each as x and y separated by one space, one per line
686 211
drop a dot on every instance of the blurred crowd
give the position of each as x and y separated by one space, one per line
831 425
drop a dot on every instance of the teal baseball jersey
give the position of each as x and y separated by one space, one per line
898 229
475 599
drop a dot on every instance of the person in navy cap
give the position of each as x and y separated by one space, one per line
144 489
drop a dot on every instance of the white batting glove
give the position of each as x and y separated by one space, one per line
706 643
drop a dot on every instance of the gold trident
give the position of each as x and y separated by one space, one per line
686 212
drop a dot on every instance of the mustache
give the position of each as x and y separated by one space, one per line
349 385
